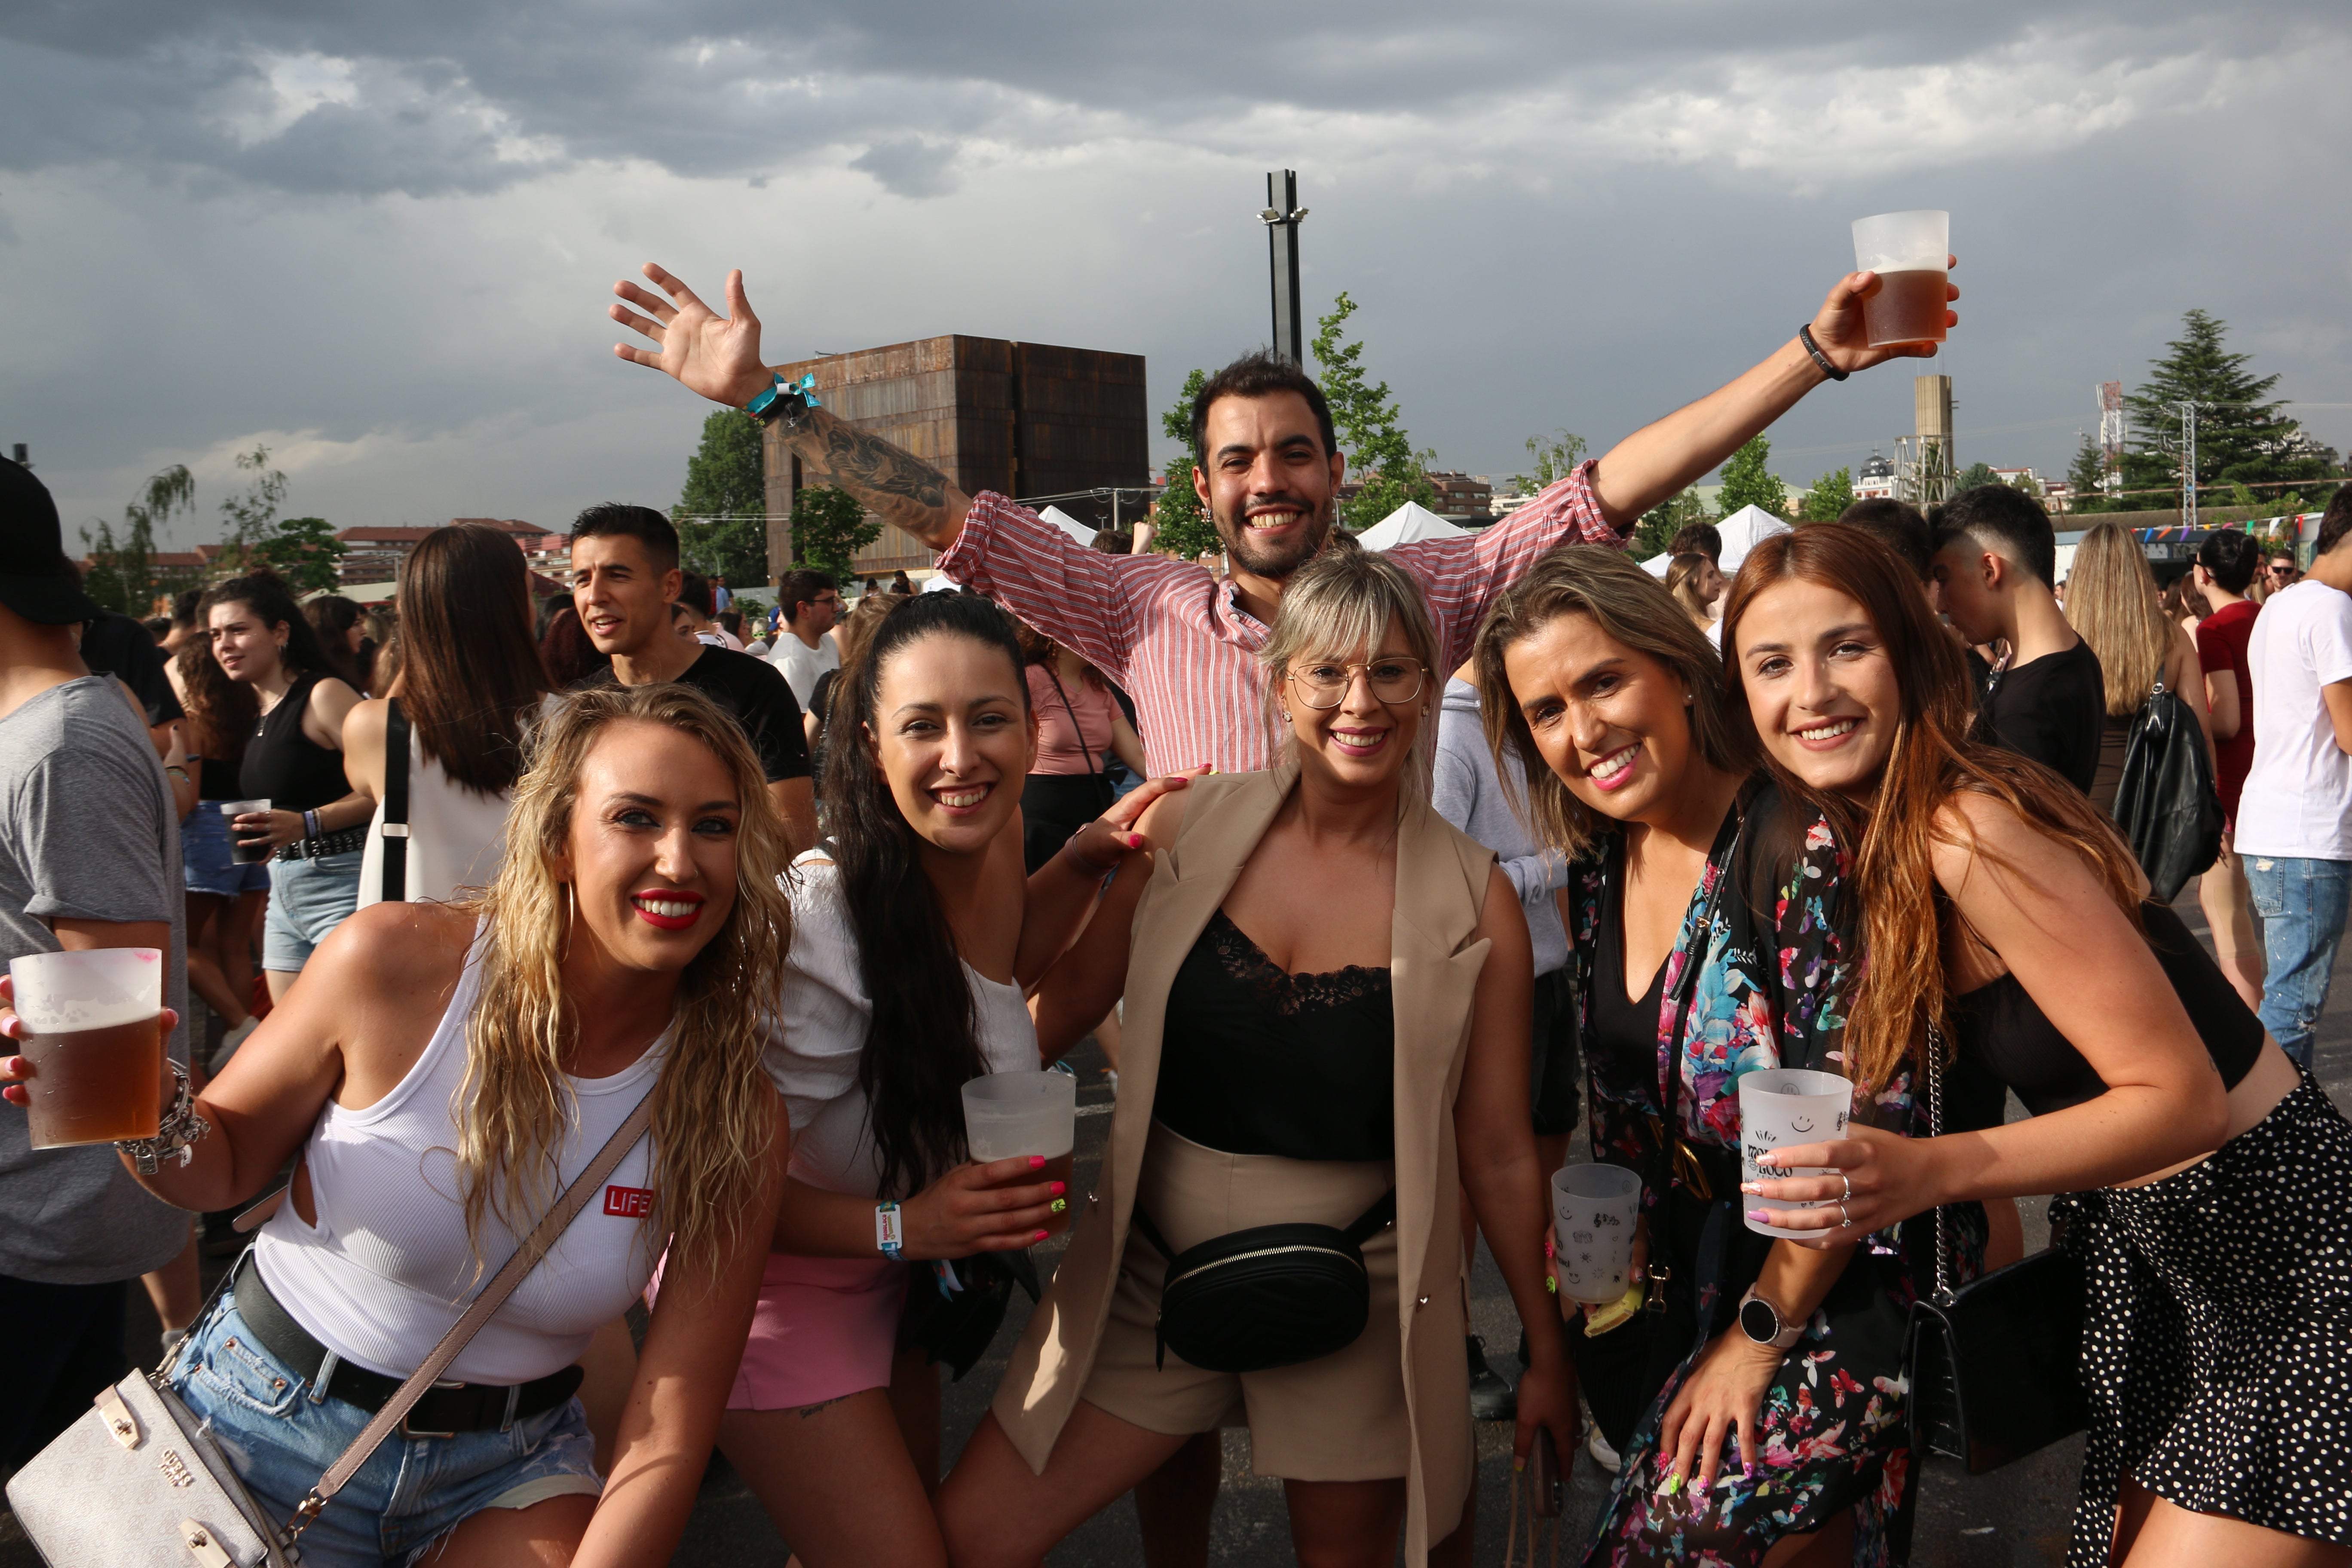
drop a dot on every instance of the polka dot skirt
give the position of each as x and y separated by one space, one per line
2218 1356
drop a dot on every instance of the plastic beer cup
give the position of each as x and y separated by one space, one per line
1007 1114
230 811
1911 253
95 1038
1594 1208
1780 1108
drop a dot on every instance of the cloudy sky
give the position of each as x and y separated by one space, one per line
380 238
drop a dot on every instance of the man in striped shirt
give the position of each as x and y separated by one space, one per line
1180 641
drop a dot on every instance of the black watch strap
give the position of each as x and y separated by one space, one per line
1829 366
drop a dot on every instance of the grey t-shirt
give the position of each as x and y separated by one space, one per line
87 832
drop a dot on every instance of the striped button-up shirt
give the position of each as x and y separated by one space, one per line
1172 635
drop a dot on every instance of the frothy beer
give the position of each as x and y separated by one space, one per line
94 1036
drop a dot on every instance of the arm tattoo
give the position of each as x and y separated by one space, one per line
897 487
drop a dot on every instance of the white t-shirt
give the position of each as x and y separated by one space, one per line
2297 803
818 1035
800 664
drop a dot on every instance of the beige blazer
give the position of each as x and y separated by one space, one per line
1441 886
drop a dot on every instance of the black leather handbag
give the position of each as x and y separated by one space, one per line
1995 1367
2166 802
1273 1295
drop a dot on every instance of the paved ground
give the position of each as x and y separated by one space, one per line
2013 1518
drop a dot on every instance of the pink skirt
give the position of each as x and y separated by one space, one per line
824 1327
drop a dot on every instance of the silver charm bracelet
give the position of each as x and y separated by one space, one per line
177 1133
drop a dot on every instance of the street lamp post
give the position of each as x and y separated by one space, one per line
1282 216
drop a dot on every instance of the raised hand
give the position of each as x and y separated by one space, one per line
1839 329
718 356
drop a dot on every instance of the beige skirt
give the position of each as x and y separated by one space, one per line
1338 1418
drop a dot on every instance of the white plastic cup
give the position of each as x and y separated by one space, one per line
1911 253
94 1035
1010 1113
230 811
1780 1108
1594 1208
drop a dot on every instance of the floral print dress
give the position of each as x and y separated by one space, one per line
1772 965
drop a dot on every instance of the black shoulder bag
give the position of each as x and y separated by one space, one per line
2166 802
1273 1295
393 889
1995 1367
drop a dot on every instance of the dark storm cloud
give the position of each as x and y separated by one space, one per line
433 98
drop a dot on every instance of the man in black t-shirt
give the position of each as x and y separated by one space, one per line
1996 564
625 580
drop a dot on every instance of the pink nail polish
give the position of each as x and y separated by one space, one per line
1039 1237
1036 1162
1058 1188
1761 1216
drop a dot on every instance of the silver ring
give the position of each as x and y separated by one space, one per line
1849 1184
1845 1221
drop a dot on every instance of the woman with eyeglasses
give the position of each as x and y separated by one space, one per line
1327 995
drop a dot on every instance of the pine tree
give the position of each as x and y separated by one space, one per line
2241 433
1747 482
2086 480
722 514
1829 498
1379 454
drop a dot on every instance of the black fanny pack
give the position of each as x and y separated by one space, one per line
1273 1295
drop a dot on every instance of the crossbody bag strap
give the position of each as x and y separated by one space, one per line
1660 1267
1935 1074
485 1306
1093 768
393 888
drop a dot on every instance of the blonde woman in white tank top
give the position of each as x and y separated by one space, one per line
443 1071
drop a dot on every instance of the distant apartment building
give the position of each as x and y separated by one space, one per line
1460 496
373 555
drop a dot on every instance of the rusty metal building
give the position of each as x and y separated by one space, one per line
1023 419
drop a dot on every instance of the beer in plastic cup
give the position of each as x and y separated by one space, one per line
1007 1114
1594 1208
1780 1108
1911 252
230 811
94 1034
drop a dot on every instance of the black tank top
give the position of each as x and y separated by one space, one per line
283 765
2005 1041
1624 1028
1256 1061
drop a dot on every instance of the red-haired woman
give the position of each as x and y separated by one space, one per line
2217 1344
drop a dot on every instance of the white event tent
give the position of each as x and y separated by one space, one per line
1742 532
1068 524
1410 521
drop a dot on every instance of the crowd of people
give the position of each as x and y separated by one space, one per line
1444 853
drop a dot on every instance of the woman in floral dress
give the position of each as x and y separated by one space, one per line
1721 901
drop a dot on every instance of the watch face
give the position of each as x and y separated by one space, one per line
1761 1323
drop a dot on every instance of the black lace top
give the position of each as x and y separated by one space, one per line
1256 1061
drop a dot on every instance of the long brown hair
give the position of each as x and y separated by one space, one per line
2111 600
470 675
222 712
713 1108
1632 607
1902 987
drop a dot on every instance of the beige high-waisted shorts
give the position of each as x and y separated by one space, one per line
1337 1418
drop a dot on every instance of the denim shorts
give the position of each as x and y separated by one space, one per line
307 899
279 1435
204 844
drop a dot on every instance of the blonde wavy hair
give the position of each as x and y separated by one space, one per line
2113 601
714 1109
1340 605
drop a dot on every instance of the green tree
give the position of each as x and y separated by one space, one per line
1662 521
2241 433
123 576
1746 481
722 514
305 552
1829 498
1975 474
1554 460
1178 523
252 516
2086 480
829 528
1379 454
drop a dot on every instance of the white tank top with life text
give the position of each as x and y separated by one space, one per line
386 1270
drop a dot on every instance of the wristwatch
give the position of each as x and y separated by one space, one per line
1761 1322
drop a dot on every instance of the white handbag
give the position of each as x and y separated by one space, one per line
138 1483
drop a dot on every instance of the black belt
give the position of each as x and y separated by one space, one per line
446 1408
341 841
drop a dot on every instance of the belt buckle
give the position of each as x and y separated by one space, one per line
407 1430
